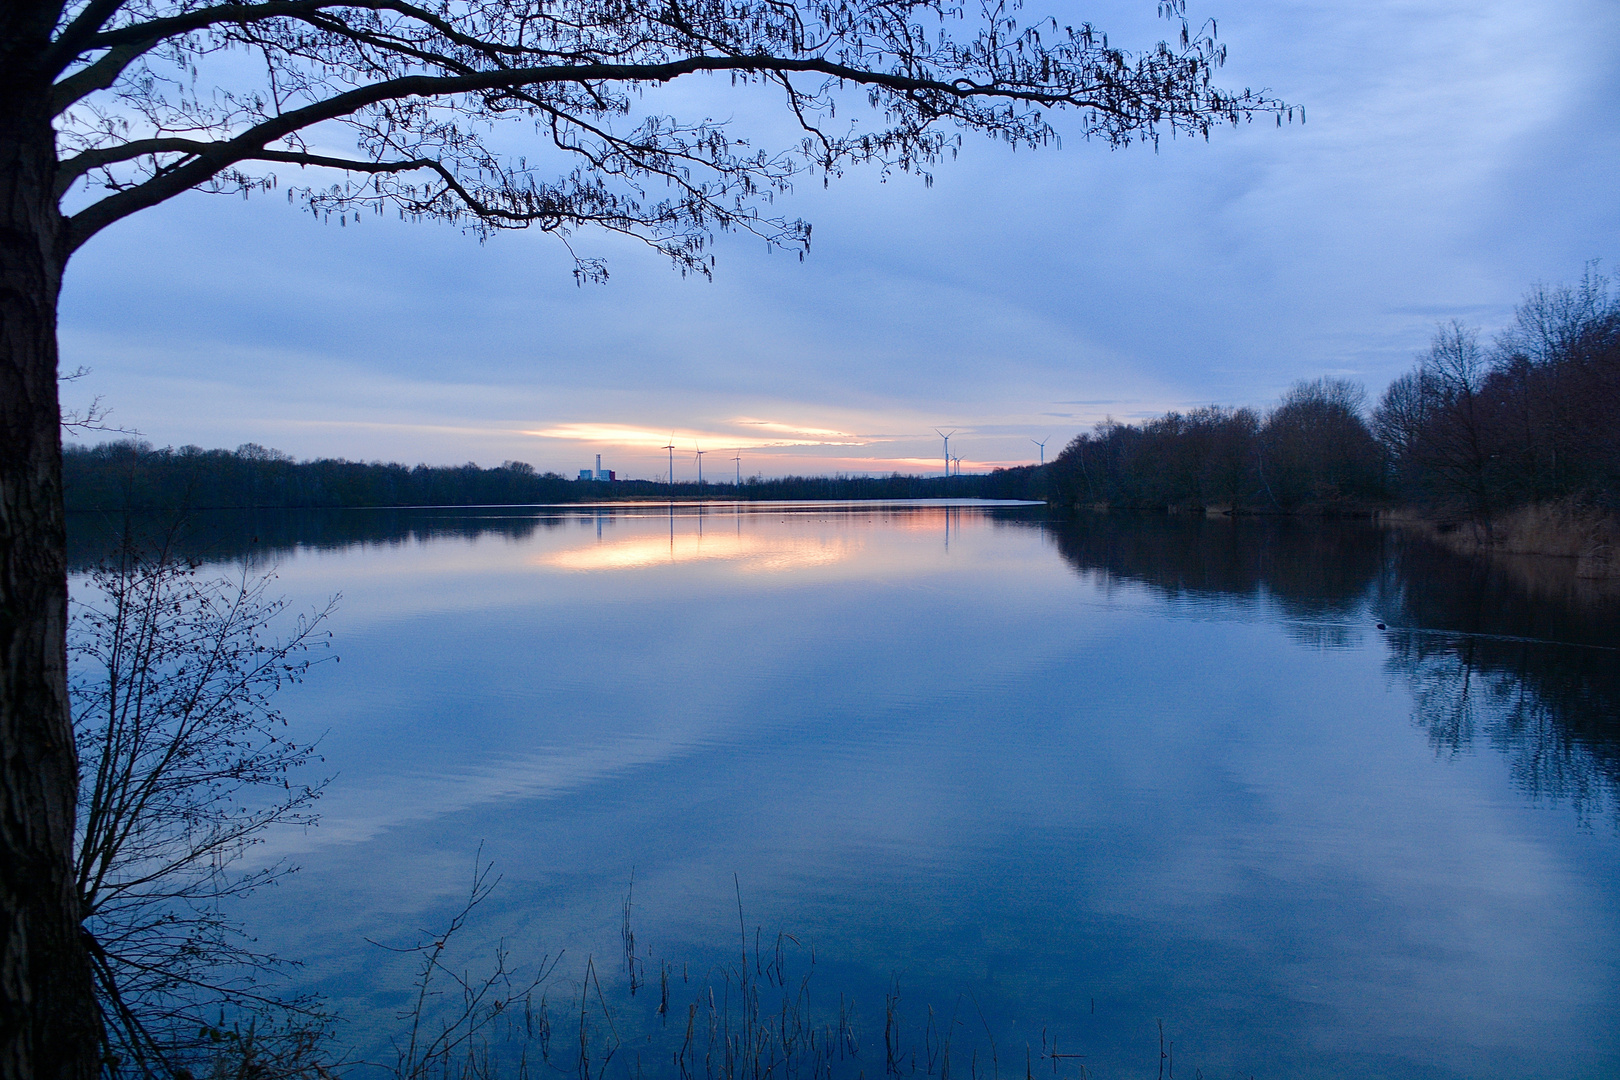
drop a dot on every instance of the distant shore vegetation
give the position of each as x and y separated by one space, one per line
1516 439
1473 430
133 475
1512 445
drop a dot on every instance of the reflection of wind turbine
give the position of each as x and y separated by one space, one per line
1042 444
699 454
946 435
671 449
737 457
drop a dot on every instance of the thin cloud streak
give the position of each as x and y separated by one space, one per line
622 435
830 436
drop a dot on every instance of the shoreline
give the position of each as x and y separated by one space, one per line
1588 536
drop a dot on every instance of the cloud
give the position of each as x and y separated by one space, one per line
621 435
1454 154
807 436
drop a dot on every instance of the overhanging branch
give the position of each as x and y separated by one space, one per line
74 37
127 43
223 154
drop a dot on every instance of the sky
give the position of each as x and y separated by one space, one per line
1453 154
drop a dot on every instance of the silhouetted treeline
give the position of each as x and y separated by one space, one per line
1471 430
130 475
134 475
1025 482
1533 418
1314 451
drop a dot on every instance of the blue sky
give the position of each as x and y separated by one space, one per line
1455 152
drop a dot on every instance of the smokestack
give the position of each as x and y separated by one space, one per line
598 462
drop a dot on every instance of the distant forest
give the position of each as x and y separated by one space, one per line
1471 430
130 475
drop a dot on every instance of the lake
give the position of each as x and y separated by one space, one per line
1056 779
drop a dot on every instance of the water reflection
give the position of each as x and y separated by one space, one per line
1518 656
1161 763
1524 663
268 535
1312 569
1553 718
751 552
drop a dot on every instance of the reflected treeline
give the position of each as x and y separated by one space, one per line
1552 716
1519 658
1525 662
1314 569
267 534
234 535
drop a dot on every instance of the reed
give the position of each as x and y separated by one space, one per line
756 1016
1565 529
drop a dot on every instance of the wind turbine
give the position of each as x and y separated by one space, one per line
1042 444
700 454
737 457
946 435
671 449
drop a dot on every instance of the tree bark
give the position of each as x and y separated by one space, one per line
49 1022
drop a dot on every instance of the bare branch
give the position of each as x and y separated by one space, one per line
219 156
421 86
75 36
178 742
128 43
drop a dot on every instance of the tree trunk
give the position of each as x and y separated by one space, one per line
49 1023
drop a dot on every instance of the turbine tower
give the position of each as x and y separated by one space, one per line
699 453
1042 444
737 457
946 435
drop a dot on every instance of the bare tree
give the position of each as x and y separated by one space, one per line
1399 418
1316 448
108 107
1554 375
1528 421
1550 321
1433 421
185 763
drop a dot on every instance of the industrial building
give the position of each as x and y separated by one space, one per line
598 473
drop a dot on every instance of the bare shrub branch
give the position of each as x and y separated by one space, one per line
184 765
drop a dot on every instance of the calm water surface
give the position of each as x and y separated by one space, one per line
1059 778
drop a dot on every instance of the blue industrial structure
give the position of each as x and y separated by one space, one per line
599 473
